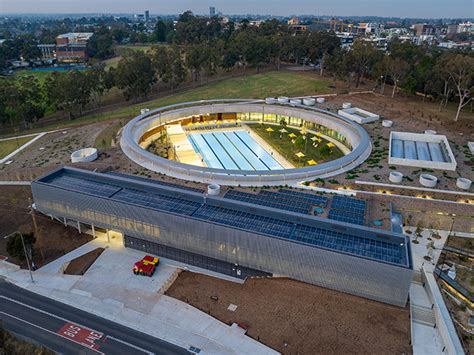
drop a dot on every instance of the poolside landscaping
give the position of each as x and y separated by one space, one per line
294 148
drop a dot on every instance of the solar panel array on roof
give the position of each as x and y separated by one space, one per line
315 199
347 209
157 182
352 244
299 203
310 235
158 201
244 220
253 222
83 185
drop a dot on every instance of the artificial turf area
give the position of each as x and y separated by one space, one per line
9 145
288 147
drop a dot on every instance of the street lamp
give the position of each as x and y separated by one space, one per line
24 250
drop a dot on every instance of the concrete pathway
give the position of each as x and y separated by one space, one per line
110 290
27 144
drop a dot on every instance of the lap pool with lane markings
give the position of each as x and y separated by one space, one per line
235 150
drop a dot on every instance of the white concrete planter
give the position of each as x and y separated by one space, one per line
144 110
320 100
395 177
430 131
84 155
213 189
309 101
387 123
357 114
283 100
271 100
346 105
463 183
295 101
428 180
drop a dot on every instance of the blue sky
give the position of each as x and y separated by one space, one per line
395 8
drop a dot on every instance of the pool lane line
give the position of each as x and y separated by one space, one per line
268 168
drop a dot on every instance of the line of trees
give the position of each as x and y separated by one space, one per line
200 47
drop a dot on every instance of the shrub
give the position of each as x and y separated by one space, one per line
15 246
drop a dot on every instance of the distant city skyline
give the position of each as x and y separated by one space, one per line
384 8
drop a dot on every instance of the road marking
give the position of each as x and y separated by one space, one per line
48 331
83 336
68 321
128 344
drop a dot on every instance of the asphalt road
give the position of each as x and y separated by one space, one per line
68 330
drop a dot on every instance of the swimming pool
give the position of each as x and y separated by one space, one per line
235 150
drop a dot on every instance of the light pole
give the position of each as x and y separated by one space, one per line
24 250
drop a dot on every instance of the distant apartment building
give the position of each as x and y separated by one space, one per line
423 29
452 30
370 28
147 15
293 21
212 11
295 25
466 27
69 47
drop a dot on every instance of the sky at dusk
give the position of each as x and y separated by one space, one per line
387 8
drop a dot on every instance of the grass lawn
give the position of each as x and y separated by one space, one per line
40 75
122 49
288 149
104 139
274 83
256 86
9 145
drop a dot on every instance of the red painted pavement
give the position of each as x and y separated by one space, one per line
81 335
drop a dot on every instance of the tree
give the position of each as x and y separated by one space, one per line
321 45
361 59
169 65
31 103
100 44
62 92
460 69
161 30
9 100
439 82
15 246
195 58
397 69
135 75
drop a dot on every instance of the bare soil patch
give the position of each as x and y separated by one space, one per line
409 114
81 264
309 319
53 239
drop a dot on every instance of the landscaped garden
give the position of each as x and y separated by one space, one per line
300 148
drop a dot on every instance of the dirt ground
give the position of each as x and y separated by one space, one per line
81 264
54 239
408 115
309 319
